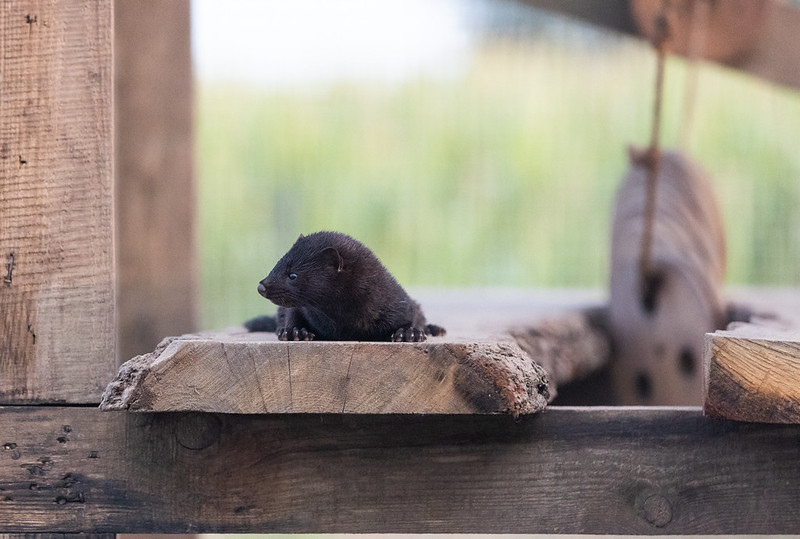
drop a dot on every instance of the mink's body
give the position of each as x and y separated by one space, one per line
331 287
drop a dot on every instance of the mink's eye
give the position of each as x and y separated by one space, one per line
292 276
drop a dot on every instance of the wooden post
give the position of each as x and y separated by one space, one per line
154 190
56 244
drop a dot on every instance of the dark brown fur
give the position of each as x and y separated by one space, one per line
331 287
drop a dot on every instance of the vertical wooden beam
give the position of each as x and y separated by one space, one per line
154 189
56 233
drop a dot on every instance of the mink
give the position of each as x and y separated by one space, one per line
330 286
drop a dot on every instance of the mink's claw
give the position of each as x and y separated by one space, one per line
408 335
295 334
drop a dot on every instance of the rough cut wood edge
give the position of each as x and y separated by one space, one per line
589 470
570 346
56 229
253 373
752 373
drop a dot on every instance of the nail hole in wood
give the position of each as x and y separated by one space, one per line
687 362
652 284
644 387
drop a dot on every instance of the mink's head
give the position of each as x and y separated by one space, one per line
308 275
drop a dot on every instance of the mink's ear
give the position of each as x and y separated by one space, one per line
300 237
333 258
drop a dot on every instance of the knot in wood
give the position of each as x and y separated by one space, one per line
197 430
657 510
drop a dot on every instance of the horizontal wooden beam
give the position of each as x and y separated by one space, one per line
758 37
567 470
611 14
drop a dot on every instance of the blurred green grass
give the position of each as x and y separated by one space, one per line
502 177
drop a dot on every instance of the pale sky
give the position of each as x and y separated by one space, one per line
272 42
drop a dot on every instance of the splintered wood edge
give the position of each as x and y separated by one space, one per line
752 373
237 372
569 346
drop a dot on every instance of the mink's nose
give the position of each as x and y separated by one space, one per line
262 289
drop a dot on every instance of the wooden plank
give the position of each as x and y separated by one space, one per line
155 194
770 51
611 14
239 373
598 470
235 372
60 536
752 373
776 53
56 244
254 373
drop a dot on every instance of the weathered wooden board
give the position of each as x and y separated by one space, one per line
239 372
56 233
758 37
752 373
621 471
64 536
155 195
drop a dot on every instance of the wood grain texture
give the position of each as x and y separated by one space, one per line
621 471
56 233
752 373
253 373
155 194
659 345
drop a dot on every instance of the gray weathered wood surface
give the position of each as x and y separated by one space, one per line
155 195
752 373
612 470
56 233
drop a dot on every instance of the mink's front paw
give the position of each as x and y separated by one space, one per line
295 334
408 335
